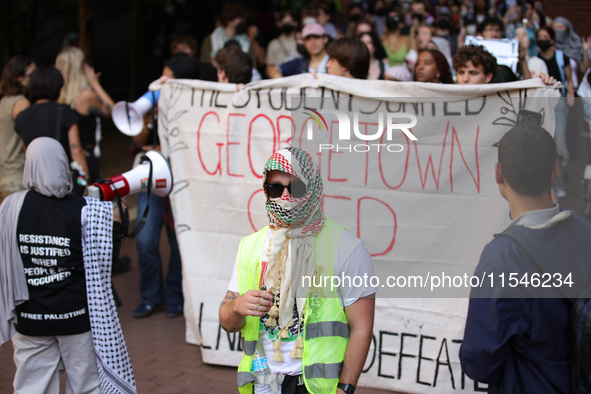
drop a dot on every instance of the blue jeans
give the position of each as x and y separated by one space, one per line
151 283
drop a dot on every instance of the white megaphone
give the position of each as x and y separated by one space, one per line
136 180
129 117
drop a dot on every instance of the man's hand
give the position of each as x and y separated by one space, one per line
235 308
253 303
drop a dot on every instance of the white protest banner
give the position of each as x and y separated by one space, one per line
424 206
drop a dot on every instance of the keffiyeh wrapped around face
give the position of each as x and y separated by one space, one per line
302 215
294 222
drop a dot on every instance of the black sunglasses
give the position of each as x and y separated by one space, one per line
296 188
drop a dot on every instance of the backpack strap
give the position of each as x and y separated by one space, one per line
535 248
305 65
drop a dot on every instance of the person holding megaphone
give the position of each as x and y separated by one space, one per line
153 291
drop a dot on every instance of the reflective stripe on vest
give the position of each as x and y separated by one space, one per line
245 378
248 346
326 329
325 371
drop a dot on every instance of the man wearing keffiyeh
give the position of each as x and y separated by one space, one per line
315 340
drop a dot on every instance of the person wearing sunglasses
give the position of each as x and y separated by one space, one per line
269 297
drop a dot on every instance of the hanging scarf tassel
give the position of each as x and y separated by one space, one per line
283 333
296 352
274 311
271 322
298 348
278 356
299 343
277 344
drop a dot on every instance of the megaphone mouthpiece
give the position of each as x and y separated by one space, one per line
129 117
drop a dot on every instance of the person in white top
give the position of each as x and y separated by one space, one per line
293 187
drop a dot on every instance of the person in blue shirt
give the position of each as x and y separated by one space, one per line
512 341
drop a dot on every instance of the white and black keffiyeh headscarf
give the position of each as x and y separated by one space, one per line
294 222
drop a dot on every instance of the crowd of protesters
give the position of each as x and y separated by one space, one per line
414 40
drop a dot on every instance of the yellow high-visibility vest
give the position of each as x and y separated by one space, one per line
325 331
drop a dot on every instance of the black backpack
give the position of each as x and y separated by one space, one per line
580 320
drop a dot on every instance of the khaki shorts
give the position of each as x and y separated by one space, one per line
40 362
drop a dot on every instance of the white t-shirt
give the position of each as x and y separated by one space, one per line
352 260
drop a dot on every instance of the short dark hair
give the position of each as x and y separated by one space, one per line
351 53
527 156
324 7
310 10
46 83
442 66
491 20
236 64
231 12
184 67
9 84
285 13
478 55
208 72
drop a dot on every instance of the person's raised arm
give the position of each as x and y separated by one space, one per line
586 63
570 86
235 308
360 316
76 148
95 102
523 60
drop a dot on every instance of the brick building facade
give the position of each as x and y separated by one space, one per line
578 12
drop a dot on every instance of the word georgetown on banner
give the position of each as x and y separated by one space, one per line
407 167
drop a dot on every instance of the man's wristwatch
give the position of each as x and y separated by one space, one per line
347 388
